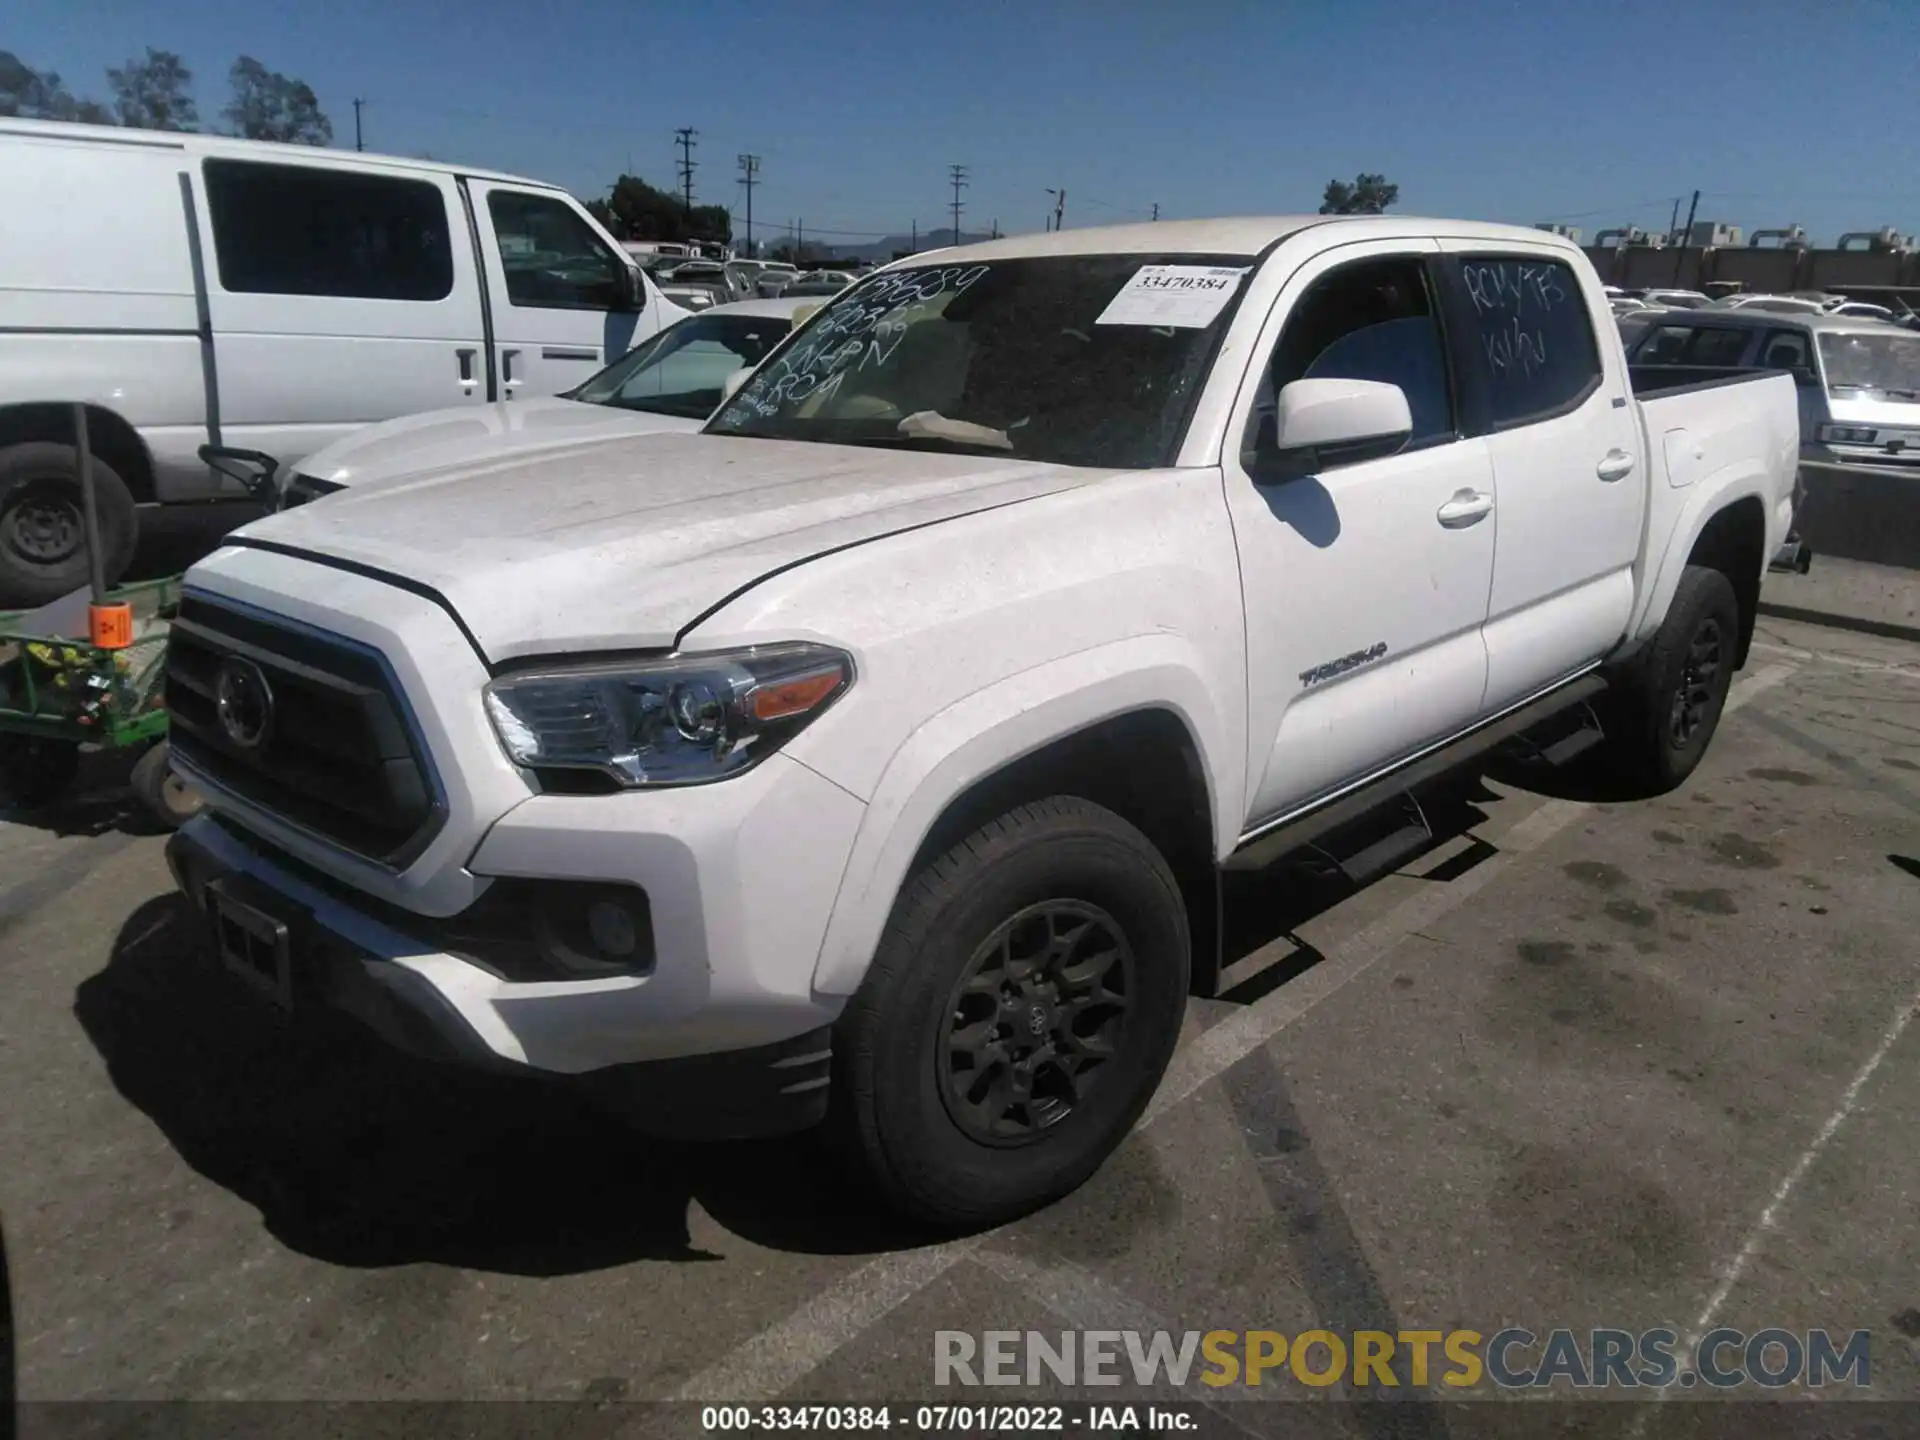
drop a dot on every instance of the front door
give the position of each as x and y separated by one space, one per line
1365 585
553 286
1557 411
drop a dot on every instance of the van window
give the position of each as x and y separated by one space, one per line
1373 320
552 258
302 230
1531 338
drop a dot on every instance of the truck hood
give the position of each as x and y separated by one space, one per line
623 543
469 434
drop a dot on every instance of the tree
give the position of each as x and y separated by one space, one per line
1367 195
155 93
638 211
38 95
266 105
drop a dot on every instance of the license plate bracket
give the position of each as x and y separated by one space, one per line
251 943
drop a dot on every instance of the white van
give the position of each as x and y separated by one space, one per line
193 289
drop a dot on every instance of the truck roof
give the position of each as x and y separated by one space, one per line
1240 235
226 146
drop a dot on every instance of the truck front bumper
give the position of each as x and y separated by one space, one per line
718 1036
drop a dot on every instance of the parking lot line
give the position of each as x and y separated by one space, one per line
1769 1220
787 1351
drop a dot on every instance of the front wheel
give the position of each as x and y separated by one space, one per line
43 532
1666 712
1023 1005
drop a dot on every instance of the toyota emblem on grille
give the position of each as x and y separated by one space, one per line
243 702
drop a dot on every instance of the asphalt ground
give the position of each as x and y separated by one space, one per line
1585 1064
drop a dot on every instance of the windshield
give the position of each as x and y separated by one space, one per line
1074 360
682 370
1885 364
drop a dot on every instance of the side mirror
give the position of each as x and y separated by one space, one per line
630 290
1317 424
734 381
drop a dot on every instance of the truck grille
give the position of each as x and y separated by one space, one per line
304 725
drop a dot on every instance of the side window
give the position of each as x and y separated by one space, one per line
1532 340
552 259
1785 350
1718 347
1666 345
301 230
1373 320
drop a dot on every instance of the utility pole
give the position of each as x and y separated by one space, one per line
683 137
958 175
749 177
1156 209
1059 207
1673 225
356 125
1680 251
996 231
913 245
800 239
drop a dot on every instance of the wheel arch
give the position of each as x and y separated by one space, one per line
112 439
1734 542
1145 742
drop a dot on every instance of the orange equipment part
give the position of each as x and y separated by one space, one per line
110 627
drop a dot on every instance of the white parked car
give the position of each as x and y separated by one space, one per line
878 750
1675 299
671 382
1779 304
193 289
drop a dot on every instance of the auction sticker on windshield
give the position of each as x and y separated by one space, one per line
1185 297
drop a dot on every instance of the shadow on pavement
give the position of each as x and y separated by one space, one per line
358 1155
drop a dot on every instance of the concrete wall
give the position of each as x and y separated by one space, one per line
1868 272
1857 514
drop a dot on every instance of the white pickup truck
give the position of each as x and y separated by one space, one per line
874 754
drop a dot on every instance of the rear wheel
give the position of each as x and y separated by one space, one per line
1020 1011
1665 714
35 771
43 528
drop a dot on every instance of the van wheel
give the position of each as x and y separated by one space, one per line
1022 1006
1664 716
43 526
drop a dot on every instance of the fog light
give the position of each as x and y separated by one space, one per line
611 927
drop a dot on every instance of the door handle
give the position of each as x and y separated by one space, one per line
1467 507
466 357
508 380
1614 465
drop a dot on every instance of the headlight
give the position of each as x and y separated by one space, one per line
1846 434
680 721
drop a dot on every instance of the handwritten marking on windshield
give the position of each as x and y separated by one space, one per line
862 331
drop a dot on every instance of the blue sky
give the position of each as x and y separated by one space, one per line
1593 112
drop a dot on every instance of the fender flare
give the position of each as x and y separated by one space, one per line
1712 494
985 731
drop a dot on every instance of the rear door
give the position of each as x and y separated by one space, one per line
339 294
1555 407
553 289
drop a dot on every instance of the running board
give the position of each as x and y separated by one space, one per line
1339 812
1561 743
1390 851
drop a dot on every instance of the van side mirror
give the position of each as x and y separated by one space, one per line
1318 424
734 381
630 289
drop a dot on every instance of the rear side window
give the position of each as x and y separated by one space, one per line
1530 338
300 230
1717 347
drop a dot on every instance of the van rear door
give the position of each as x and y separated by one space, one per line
340 294
554 287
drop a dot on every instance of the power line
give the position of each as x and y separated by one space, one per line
683 137
749 177
958 175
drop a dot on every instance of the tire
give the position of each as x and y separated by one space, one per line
163 793
36 771
43 545
1040 871
1665 713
